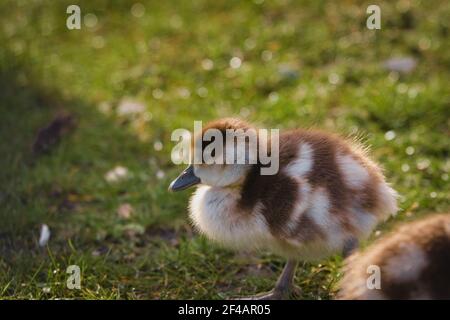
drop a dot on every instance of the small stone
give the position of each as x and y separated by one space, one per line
117 174
207 64
130 107
403 64
389 135
235 63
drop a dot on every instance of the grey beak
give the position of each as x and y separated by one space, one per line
185 180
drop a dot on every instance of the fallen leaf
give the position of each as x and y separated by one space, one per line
50 135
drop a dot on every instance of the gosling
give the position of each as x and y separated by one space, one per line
326 196
413 262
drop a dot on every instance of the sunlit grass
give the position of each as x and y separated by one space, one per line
280 64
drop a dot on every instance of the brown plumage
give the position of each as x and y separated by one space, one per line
413 262
279 193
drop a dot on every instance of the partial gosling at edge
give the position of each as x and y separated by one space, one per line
413 262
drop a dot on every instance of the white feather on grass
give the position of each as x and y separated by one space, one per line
45 235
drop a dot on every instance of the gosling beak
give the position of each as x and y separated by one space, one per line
185 180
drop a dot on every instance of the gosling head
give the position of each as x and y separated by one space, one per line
225 150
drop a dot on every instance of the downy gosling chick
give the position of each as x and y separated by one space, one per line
326 195
413 262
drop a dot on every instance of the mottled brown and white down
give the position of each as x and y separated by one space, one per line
413 260
326 192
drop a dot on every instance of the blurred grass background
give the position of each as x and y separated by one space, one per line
138 70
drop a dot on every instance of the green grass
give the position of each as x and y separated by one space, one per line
158 60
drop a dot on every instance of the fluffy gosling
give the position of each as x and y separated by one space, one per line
326 195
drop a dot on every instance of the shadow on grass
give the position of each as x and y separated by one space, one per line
150 255
64 186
